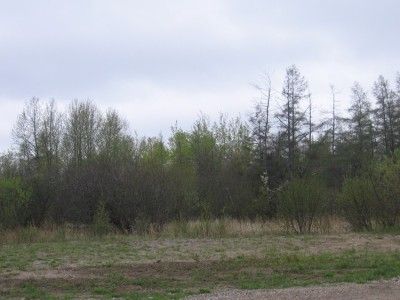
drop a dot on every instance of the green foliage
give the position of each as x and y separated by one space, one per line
386 187
372 200
14 201
265 203
357 201
68 161
101 220
143 224
183 176
301 202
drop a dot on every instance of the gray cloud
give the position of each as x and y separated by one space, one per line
162 61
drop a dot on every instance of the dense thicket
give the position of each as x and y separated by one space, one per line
82 164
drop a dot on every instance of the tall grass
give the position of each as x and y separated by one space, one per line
218 228
49 233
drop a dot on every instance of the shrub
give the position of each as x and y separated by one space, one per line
357 202
101 221
143 224
301 202
373 199
179 228
14 200
264 206
386 187
206 228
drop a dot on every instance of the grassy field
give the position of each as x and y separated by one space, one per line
59 264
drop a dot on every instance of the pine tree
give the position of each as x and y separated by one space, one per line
291 117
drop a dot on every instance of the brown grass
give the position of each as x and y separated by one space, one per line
46 233
246 228
218 228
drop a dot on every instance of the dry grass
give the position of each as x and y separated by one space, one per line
47 233
219 228
245 228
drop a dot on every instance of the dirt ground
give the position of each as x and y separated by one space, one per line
382 290
180 264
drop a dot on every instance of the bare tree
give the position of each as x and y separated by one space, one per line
310 123
82 129
260 120
113 138
51 134
26 133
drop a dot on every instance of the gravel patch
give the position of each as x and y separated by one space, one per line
388 289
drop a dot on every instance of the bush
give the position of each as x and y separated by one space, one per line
101 220
14 201
373 199
264 205
357 202
301 202
202 228
386 187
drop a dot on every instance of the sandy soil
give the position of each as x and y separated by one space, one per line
388 289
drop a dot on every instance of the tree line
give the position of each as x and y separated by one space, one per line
284 162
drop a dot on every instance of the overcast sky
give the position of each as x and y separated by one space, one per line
158 62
